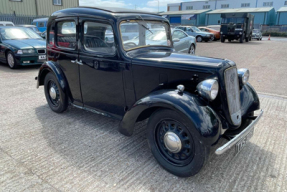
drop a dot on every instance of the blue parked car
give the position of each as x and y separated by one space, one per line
41 23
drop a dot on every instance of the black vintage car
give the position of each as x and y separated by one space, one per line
191 102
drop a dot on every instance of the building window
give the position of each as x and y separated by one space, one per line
224 5
206 6
57 2
267 4
189 7
245 4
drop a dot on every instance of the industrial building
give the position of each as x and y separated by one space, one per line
262 16
225 4
281 18
35 7
189 17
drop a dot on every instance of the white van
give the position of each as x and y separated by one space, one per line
6 23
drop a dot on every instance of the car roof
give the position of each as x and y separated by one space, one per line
116 9
41 19
11 27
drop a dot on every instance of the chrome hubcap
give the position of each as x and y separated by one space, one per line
53 93
10 60
192 50
172 142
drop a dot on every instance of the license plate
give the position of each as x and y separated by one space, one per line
42 57
241 144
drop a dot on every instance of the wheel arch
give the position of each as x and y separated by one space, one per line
50 66
188 105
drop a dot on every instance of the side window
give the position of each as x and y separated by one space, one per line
188 29
9 25
41 24
178 35
66 34
99 38
51 34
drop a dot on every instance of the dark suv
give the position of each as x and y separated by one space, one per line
191 102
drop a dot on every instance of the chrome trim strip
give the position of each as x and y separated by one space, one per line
238 137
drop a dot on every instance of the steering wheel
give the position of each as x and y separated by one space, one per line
129 45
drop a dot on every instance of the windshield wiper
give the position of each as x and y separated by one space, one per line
144 25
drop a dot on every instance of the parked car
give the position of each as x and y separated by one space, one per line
33 27
6 23
209 30
257 34
191 102
181 41
198 34
214 27
21 46
41 23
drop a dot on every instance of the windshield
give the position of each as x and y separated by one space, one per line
35 29
232 20
139 33
195 29
18 33
256 31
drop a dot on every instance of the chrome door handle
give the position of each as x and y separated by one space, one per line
74 61
79 62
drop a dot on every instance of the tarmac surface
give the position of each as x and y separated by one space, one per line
81 151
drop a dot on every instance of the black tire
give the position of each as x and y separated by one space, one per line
246 39
192 49
60 103
229 40
192 155
258 39
10 59
222 39
199 39
241 39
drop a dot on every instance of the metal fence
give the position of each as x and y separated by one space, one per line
18 19
275 28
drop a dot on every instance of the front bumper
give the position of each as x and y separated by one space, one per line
28 60
238 137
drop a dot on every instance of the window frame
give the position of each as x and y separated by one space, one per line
61 3
56 33
268 4
245 4
224 6
83 47
207 7
190 6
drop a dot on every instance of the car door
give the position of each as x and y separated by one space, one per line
181 45
2 50
101 71
65 52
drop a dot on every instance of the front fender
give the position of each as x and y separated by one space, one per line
249 100
204 119
50 66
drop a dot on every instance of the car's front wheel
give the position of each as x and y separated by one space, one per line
55 96
192 50
11 60
174 143
199 39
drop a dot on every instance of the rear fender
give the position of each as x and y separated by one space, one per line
50 66
204 119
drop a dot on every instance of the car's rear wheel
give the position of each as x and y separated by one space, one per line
222 39
199 39
55 96
241 39
174 144
10 58
192 50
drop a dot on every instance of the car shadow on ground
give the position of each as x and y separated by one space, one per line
20 69
92 145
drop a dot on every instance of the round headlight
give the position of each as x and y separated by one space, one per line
208 89
243 75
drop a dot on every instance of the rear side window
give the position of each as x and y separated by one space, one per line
99 38
9 25
178 35
66 34
41 24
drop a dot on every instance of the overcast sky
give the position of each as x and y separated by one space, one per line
146 5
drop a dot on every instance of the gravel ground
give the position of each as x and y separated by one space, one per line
81 151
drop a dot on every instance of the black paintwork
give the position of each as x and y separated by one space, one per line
131 85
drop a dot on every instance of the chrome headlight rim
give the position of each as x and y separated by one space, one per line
208 89
25 51
243 75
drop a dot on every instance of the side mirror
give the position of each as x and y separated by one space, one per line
175 40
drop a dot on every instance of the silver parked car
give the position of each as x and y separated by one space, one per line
182 42
198 34
257 34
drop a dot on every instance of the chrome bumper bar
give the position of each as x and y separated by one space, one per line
238 137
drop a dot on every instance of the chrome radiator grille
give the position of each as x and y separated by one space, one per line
233 96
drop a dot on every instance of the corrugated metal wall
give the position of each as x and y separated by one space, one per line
281 18
46 7
26 7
